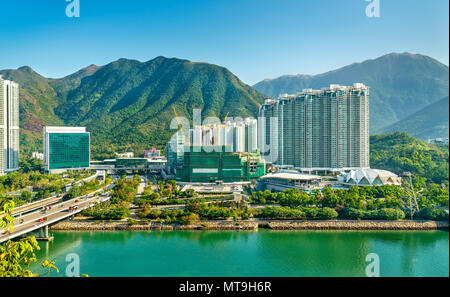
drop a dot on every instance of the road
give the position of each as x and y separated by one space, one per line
30 222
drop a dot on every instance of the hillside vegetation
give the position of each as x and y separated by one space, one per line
127 104
399 152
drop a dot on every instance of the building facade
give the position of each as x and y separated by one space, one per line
152 153
369 177
66 148
236 135
285 180
9 126
325 129
125 155
175 152
218 164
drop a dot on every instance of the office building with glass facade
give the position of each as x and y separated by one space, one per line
175 152
210 165
66 148
325 129
9 126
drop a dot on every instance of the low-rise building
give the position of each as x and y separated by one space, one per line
129 164
125 155
369 177
287 179
37 156
152 153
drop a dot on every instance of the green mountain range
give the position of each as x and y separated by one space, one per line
127 104
429 122
401 84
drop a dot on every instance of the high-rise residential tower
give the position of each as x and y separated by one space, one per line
9 126
237 135
325 129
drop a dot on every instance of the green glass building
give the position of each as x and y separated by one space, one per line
66 148
217 163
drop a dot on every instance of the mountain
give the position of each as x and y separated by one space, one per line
127 104
399 152
401 84
429 122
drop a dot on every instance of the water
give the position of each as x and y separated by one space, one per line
242 253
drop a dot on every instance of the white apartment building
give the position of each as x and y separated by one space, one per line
9 126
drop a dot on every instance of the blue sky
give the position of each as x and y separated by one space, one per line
255 39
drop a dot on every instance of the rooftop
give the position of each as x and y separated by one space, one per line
291 176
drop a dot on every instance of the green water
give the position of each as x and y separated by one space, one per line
240 253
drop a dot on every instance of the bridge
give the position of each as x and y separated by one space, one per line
39 220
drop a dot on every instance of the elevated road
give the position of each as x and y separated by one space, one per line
40 219
47 201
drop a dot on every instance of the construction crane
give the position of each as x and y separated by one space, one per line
413 206
224 120
176 116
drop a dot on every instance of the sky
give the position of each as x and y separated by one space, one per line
255 39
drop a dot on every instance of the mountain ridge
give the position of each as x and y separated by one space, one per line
432 121
401 84
129 95
128 104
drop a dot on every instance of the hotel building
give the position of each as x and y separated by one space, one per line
66 148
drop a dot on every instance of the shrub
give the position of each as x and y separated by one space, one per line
189 219
390 214
352 213
132 222
327 214
281 213
380 214
432 213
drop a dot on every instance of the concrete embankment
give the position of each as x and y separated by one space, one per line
85 225
355 225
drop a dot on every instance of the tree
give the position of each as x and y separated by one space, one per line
16 256
74 192
26 195
189 219
141 202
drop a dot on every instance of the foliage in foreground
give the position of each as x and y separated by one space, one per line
16 256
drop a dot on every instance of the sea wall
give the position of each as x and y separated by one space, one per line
355 225
85 225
